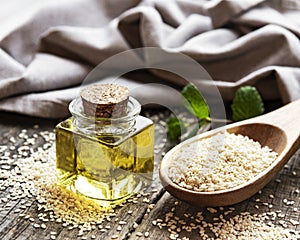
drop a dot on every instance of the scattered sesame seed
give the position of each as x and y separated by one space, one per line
245 225
30 165
135 225
17 211
36 225
212 210
33 176
119 228
294 222
295 209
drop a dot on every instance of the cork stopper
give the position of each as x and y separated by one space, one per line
105 100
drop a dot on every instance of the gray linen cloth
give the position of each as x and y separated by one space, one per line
45 58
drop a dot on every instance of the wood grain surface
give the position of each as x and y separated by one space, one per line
144 216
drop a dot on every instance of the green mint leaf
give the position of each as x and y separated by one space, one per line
176 128
194 102
247 103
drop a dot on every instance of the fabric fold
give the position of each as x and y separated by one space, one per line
9 67
45 73
141 26
90 45
45 60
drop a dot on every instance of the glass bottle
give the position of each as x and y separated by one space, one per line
105 159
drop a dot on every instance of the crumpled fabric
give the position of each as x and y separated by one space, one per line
45 59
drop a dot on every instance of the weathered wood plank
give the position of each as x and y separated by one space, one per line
155 204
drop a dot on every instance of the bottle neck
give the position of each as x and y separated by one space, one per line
109 126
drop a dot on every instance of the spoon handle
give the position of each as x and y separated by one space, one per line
288 119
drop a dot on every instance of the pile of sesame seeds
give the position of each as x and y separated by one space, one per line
28 179
221 162
29 176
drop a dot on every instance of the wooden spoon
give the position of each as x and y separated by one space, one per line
279 130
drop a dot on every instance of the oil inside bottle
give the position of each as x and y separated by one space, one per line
106 167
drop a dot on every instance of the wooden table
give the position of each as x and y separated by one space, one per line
145 217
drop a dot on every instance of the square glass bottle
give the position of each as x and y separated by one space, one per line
107 159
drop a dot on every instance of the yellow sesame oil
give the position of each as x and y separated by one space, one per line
106 167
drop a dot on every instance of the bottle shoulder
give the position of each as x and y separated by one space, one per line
141 123
66 124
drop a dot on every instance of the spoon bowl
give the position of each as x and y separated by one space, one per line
279 130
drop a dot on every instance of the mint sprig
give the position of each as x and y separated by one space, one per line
195 103
176 128
247 103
